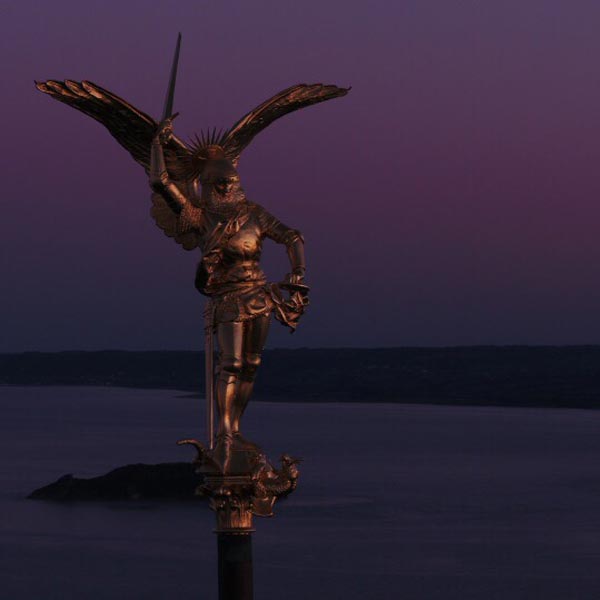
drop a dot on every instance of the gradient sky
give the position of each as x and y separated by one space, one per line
451 198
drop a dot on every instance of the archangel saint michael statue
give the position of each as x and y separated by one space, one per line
198 201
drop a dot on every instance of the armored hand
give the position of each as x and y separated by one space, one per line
296 277
164 131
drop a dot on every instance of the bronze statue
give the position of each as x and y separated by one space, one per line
228 228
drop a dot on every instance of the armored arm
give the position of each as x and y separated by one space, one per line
289 310
160 181
295 252
291 238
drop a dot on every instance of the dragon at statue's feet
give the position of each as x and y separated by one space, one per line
243 479
271 483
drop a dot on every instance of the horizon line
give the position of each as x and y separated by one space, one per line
314 348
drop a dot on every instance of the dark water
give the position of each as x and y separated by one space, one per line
394 502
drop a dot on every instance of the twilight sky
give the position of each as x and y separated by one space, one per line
451 198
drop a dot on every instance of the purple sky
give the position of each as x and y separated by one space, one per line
451 198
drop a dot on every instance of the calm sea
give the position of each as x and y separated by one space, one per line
394 502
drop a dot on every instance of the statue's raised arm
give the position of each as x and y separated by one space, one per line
160 180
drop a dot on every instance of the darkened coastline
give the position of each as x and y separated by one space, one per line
567 376
166 481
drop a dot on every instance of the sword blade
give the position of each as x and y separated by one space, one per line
209 374
168 108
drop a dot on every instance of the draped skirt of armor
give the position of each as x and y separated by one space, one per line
241 305
247 304
241 293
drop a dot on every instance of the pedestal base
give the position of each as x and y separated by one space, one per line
231 497
240 485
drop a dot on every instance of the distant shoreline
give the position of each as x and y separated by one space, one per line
292 400
527 376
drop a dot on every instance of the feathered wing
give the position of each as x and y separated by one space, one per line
168 221
134 130
291 99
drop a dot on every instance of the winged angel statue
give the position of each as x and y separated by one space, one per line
198 201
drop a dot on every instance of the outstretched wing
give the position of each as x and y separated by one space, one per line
132 128
287 101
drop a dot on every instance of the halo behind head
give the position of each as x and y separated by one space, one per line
207 159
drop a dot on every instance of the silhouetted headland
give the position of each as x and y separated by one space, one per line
166 481
554 376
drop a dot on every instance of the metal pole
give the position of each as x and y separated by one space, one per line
235 566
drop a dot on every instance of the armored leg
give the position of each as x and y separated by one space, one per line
229 336
255 337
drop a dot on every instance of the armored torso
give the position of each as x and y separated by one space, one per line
231 242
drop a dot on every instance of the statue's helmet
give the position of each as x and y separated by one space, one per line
215 166
208 164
